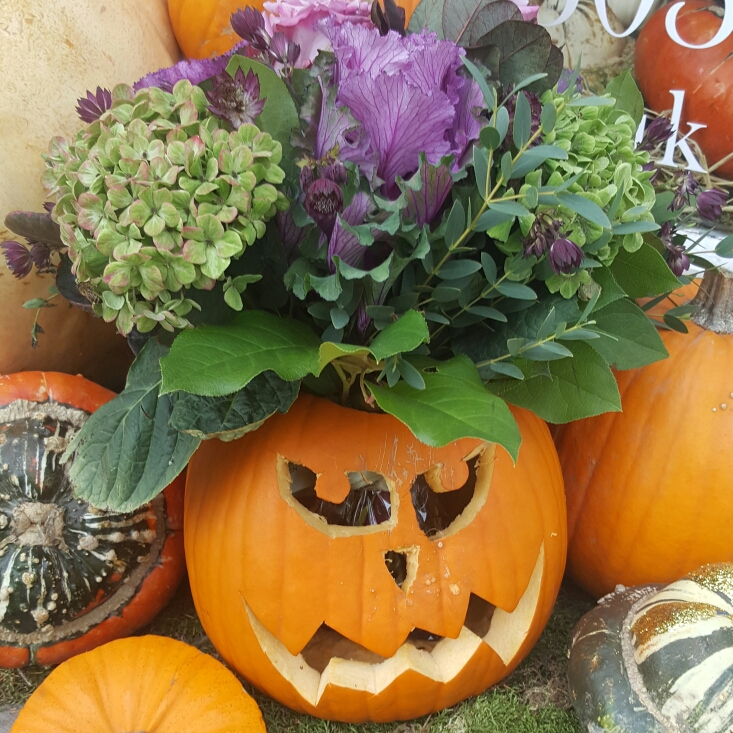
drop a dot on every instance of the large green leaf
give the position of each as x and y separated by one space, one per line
428 14
627 95
234 415
633 341
567 389
403 335
454 404
644 273
215 361
126 453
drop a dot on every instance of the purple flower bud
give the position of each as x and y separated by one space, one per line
323 201
565 256
290 235
676 258
93 106
17 258
41 255
688 185
249 24
306 177
568 77
541 236
236 100
656 133
48 206
710 204
335 171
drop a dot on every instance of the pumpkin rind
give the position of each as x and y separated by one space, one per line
52 52
705 75
649 489
150 683
288 573
71 577
654 659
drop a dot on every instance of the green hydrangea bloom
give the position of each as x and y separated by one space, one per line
157 197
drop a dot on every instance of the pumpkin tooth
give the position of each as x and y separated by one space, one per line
441 659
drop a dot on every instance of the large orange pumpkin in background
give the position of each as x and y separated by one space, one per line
51 53
440 591
649 489
150 684
203 29
72 577
705 75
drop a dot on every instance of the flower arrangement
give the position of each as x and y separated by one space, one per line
431 221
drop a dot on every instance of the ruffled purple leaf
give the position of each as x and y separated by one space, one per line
195 70
402 121
424 205
344 244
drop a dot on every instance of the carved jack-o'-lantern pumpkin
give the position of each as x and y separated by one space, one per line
356 574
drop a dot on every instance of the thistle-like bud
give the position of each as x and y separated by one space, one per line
323 201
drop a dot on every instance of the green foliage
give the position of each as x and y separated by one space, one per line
127 453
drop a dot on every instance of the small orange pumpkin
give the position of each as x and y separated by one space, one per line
149 683
73 577
649 488
203 27
436 597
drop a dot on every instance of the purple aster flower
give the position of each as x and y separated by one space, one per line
195 70
324 200
688 185
710 204
565 256
408 96
93 106
236 100
542 234
656 133
344 244
18 258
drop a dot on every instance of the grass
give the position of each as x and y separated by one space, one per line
534 699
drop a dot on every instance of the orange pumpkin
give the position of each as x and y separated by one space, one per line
149 683
73 577
436 597
676 298
649 488
203 29
705 75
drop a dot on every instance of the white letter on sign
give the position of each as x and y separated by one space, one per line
692 162
641 13
726 27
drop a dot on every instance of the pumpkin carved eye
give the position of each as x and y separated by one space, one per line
369 502
437 509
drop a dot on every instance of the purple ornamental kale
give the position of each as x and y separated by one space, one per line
408 97
344 244
93 106
710 204
195 70
236 100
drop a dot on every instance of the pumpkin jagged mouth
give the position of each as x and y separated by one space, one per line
331 659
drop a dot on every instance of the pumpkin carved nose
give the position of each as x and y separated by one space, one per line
402 565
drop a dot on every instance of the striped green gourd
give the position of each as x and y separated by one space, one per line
657 659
